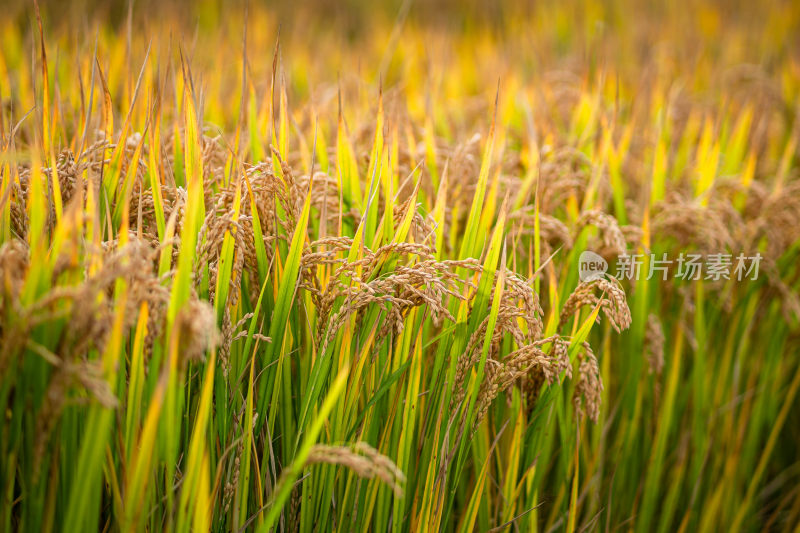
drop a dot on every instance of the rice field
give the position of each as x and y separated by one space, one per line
445 266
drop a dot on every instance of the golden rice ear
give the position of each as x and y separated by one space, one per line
14 257
196 328
364 460
587 396
613 238
654 344
704 228
612 301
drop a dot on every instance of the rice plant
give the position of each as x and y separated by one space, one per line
406 267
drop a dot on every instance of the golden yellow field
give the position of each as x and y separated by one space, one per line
412 266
